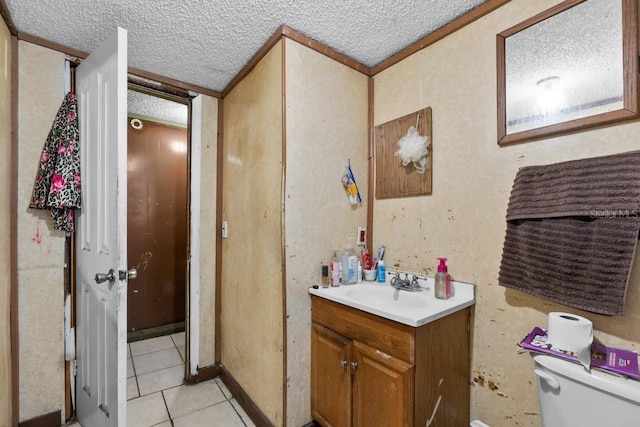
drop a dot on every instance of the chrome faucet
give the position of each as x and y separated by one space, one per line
406 284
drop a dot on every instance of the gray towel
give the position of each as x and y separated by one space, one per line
572 231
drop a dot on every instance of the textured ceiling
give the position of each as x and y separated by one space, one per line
207 43
148 106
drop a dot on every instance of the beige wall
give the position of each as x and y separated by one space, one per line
5 206
209 168
40 248
326 124
252 291
464 219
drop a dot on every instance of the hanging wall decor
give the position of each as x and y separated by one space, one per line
403 156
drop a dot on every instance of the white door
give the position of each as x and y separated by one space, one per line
101 236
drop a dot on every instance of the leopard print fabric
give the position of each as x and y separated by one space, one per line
57 184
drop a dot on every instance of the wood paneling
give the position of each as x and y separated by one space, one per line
15 356
157 225
371 150
218 225
392 178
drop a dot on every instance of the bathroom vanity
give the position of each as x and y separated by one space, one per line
369 368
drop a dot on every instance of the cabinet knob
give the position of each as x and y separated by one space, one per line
354 365
343 364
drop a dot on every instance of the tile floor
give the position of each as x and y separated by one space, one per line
156 395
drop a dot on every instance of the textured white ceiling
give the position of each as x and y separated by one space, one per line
145 105
206 43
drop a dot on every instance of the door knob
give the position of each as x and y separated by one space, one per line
101 277
132 273
343 363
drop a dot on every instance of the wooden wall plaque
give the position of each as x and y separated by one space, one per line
392 178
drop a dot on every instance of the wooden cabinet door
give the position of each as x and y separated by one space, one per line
330 377
382 389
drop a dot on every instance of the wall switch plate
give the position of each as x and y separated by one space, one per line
362 236
225 229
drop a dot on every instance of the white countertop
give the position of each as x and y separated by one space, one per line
411 308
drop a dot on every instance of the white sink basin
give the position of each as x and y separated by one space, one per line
410 308
385 296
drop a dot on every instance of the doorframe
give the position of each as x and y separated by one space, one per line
192 284
192 344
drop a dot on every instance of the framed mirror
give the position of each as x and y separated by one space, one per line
568 68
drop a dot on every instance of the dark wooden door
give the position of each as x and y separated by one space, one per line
157 224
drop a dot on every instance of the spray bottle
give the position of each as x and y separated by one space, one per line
443 280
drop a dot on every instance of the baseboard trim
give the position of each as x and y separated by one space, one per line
243 399
48 420
204 374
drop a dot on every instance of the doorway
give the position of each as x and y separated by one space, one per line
158 208
157 241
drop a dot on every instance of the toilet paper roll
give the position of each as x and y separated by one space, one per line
571 333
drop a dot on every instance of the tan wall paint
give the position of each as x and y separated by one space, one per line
40 247
464 219
326 124
252 291
208 236
5 232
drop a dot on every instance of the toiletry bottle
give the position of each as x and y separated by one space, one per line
443 281
366 259
324 275
381 272
335 270
349 265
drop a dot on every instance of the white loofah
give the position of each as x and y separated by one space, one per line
414 148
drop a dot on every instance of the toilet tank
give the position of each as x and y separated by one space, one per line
572 396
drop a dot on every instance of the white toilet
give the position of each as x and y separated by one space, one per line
572 396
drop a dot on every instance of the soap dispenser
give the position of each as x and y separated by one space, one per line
443 280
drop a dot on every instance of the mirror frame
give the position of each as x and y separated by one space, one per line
630 77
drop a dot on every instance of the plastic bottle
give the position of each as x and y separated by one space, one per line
324 275
349 265
335 270
443 280
381 272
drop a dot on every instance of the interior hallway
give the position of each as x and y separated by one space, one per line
156 395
